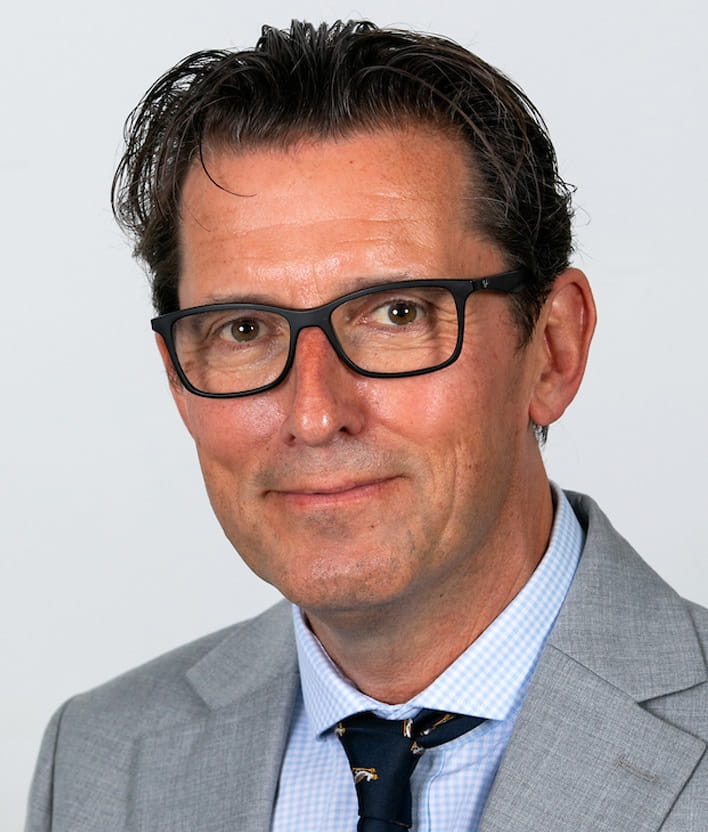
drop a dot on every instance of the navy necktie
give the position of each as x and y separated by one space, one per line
383 753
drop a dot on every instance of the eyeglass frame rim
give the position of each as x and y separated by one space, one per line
508 282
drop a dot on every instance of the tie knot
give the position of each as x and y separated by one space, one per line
382 754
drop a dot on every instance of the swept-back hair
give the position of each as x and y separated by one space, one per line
333 81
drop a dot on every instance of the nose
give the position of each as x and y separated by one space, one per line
324 397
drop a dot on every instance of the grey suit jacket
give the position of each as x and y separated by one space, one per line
611 737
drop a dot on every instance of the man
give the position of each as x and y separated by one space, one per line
360 248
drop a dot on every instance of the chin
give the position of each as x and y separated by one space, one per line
350 595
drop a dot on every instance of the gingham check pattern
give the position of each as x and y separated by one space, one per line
451 782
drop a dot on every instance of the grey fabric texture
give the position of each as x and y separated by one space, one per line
611 737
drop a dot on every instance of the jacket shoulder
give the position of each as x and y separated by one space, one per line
86 765
624 622
161 692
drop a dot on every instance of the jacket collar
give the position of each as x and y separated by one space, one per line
258 655
585 755
621 621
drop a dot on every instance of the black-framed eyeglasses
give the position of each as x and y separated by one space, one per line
408 328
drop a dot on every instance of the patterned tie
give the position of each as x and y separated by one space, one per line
383 753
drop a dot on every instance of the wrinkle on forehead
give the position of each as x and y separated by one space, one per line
372 206
298 170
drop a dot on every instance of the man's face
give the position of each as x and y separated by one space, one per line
346 492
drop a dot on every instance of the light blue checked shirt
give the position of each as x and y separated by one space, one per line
451 782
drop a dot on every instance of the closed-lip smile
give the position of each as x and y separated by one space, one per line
333 492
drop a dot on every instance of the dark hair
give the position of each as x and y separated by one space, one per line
331 81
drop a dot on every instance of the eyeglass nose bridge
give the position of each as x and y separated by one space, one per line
318 318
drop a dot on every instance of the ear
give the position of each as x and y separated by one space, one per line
563 334
176 388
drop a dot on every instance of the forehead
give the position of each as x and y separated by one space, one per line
374 204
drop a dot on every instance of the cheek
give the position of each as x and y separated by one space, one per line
440 422
445 407
463 419
228 429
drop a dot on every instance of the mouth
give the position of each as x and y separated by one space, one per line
316 495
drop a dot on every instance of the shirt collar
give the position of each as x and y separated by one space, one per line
490 678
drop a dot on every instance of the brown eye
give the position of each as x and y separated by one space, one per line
242 330
397 311
402 312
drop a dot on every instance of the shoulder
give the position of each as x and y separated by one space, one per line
171 688
91 767
625 623
608 557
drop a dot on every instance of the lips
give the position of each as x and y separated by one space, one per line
334 488
336 492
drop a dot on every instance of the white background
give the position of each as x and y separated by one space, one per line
110 554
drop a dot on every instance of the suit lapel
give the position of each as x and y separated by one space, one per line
584 757
587 754
219 773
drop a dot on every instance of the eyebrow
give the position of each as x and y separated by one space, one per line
239 298
350 286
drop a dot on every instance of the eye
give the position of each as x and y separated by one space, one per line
397 312
402 312
242 330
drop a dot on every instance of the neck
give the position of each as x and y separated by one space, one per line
394 651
